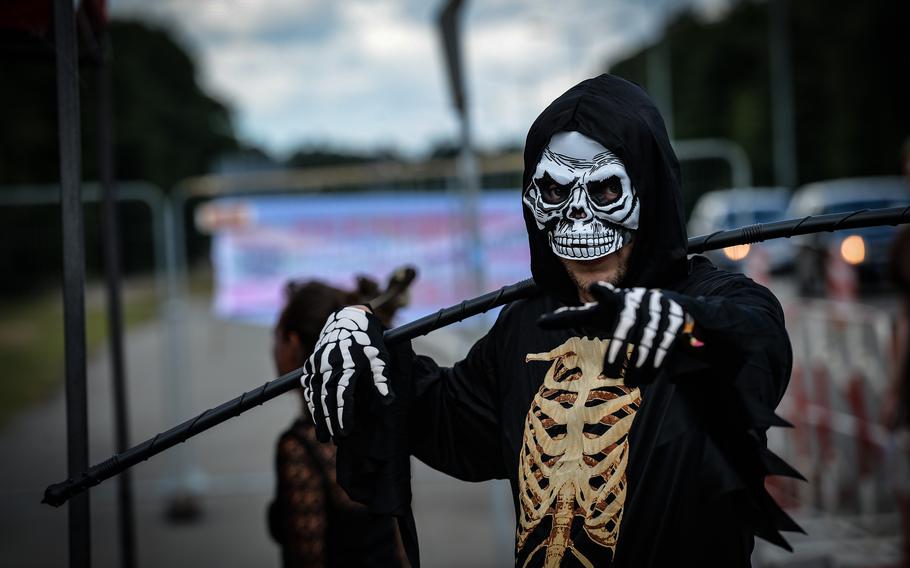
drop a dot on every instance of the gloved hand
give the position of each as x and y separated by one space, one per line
349 346
649 320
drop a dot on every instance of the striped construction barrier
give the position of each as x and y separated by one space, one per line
842 361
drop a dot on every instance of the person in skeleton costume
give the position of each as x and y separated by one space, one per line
627 403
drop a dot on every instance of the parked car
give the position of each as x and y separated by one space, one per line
866 249
732 208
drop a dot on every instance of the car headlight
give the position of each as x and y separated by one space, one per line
853 249
737 252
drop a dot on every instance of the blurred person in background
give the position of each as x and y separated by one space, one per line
631 423
311 517
896 413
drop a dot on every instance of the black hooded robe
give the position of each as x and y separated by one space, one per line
660 472
663 473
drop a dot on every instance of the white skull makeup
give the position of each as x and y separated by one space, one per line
582 197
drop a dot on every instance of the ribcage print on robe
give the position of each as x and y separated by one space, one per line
573 460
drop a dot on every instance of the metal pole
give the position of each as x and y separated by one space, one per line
470 182
783 129
114 302
73 274
450 28
660 79
183 504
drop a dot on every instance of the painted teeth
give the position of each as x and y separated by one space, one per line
585 247
586 242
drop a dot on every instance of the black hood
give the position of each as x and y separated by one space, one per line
620 116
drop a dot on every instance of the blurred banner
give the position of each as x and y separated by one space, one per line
259 243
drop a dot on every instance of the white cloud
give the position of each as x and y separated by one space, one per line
519 65
382 32
226 19
371 74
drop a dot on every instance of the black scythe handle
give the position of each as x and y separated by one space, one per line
803 226
59 493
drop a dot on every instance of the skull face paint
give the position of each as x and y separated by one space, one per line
582 197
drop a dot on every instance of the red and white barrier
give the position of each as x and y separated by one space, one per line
840 374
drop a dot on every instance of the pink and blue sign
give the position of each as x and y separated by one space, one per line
267 241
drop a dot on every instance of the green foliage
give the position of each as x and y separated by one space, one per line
31 343
851 83
315 157
166 128
849 66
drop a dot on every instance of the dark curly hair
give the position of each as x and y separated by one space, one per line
308 305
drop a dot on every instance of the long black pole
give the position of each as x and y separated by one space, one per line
114 299
58 493
804 226
73 274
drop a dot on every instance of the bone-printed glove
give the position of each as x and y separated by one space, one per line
648 320
349 346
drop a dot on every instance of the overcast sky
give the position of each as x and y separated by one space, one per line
369 74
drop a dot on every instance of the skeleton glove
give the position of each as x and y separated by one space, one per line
350 345
647 320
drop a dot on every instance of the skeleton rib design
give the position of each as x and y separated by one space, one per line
572 471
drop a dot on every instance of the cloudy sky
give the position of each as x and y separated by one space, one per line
370 74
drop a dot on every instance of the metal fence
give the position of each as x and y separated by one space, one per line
842 365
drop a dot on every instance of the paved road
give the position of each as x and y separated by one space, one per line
231 465
460 524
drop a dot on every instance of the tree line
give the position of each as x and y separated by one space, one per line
851 97
849 68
